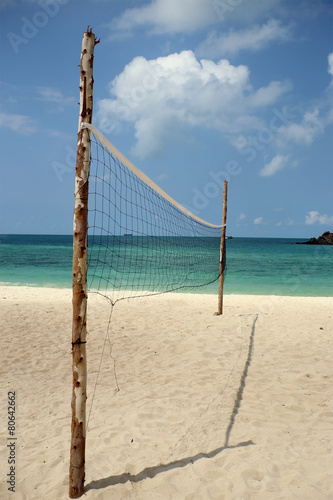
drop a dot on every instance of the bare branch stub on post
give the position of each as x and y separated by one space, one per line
80 229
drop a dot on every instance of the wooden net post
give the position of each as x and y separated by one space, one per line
223 252
80 229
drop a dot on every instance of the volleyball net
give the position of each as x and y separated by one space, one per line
140 240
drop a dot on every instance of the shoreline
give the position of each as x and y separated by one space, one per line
145 293
185 404
27 294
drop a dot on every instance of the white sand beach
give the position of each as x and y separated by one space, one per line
188 405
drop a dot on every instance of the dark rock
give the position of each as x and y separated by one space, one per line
325 239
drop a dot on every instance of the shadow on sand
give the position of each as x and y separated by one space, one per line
150 472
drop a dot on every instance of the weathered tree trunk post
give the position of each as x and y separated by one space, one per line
223 252
80 228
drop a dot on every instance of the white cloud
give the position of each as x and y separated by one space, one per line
279 162
330 63
51 94
159 96
162 177
258 220
246 11
167 16
302 133
266 96
330 72
187 16
314 217
242 216
18 123
251 39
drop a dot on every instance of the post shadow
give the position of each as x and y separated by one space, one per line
151 472
241 388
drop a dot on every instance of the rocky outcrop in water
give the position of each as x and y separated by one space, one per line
325 239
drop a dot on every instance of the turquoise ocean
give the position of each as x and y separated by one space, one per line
256 266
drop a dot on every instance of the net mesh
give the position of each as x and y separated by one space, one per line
139 242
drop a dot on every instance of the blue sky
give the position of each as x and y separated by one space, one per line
191 91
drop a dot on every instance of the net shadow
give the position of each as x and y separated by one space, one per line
151 472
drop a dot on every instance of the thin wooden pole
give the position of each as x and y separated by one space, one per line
80 228
223 252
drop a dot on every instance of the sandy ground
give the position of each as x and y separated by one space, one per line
182 404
